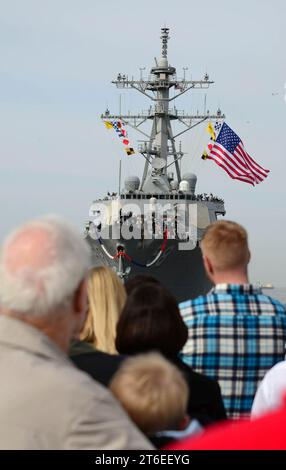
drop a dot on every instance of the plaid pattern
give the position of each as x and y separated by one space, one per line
236 334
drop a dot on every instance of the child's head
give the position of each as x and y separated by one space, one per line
153 392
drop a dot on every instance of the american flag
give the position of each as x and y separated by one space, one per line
228 152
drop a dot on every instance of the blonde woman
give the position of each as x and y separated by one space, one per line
106 296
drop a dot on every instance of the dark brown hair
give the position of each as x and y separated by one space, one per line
138 280
151 321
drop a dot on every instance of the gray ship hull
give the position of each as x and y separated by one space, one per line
182 272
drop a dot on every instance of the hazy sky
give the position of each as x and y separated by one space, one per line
57 59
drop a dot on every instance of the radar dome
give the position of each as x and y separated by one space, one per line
163 62
132 183
184 186
192 180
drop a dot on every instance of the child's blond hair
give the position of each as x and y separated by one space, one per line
153 392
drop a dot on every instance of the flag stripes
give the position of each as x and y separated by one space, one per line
228 152
220 158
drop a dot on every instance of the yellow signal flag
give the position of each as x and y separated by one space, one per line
205 155
211 131
129 150
108 125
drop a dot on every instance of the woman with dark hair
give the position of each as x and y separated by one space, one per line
151 321
138 280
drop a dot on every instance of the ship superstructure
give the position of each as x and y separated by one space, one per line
154 224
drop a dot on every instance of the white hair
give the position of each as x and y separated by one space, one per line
42 290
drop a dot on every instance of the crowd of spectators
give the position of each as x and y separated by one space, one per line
87 362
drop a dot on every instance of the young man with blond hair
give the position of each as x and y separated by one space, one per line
236 333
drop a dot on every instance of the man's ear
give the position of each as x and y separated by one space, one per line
208 267
79 309
80 298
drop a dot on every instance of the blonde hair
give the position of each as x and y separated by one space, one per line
153 392
106 297
225 243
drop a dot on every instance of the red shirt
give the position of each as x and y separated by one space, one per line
265 433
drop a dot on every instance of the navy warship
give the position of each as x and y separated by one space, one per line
153 225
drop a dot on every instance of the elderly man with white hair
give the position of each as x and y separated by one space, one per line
45 402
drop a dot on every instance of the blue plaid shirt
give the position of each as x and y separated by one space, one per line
236 334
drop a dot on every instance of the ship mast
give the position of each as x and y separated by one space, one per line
160 144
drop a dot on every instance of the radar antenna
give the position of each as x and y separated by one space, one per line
160 145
